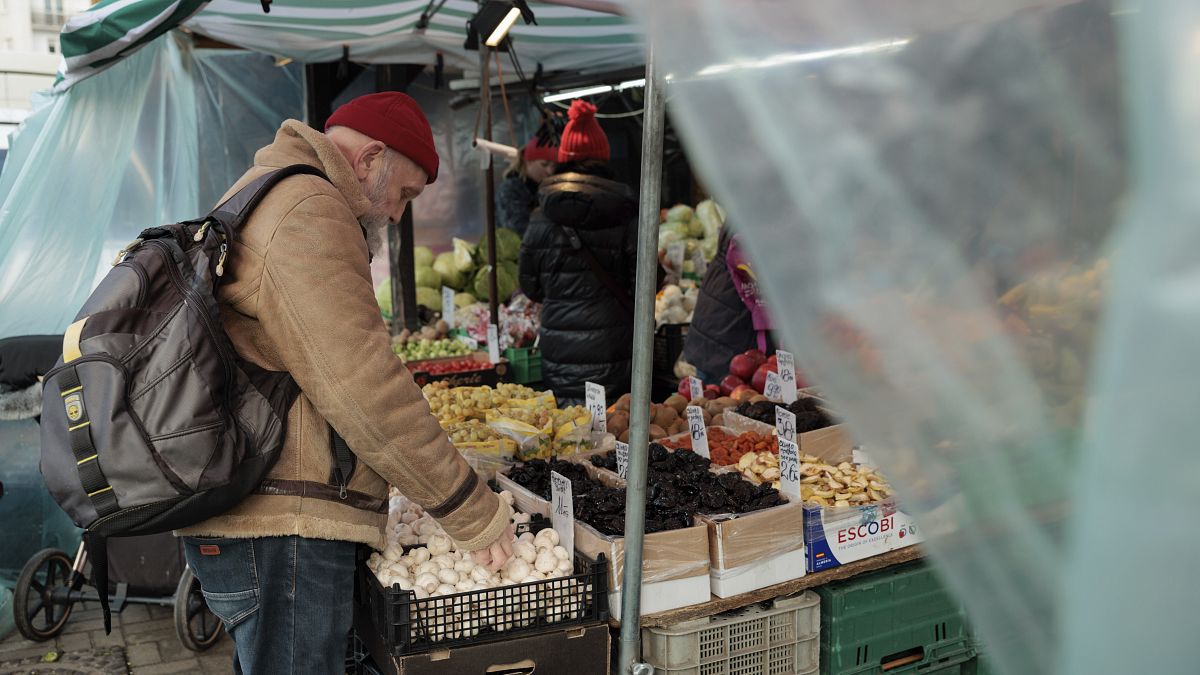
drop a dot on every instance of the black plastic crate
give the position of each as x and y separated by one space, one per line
668 347
408 625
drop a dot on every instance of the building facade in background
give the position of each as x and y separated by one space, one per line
29 54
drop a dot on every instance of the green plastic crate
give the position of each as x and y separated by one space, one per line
525 364
898 616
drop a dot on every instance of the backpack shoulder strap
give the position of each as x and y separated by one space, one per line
233 212
598 269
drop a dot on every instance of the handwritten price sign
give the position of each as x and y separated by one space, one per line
787 374
695 417
562 511
773 390
695 387
448 306
789 468
785 423
596 405
622 459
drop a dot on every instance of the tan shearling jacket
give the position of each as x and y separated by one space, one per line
297 297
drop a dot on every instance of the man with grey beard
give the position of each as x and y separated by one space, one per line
296 296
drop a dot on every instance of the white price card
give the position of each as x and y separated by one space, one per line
773 390
860 457
675 253
696 388
448 306
562 511
699 263
493 343
789 469
785 423
622 459
695 418
596 405
468 341
787 373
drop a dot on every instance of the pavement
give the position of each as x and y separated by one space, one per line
144 633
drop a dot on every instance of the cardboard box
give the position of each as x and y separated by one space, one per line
662 596
579 651
835 536
774 570
674 554
523 499
753 537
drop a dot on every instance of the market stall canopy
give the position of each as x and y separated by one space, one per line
565 38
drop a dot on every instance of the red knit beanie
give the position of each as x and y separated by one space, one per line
583 138
394 119
533 151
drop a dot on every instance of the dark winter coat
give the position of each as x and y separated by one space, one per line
515 201
721 324
586 333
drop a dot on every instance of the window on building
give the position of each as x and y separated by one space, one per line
52 45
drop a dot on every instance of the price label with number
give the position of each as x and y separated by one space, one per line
675 253
695 418
562 511
622 459
787 373
493 343
785 423
789 468
699 263
596 405
773 390
695 388
448 306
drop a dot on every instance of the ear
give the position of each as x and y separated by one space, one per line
369 156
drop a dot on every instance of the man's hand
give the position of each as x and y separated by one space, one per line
493 557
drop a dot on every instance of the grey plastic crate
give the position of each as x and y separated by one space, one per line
782 639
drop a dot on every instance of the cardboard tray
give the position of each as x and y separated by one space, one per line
476 378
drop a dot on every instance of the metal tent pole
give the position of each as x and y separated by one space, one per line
643 362
489 180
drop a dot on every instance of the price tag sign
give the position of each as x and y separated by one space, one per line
699 263
695 418
622 459
596 405
468 341
785 423
675 253
789 468
696 388
773 390
787 373
861 457
562 511
493 343
448 306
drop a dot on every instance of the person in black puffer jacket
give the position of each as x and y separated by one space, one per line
721 323
587 321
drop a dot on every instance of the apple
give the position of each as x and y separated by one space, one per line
759 381
756 356
712 391
774 361
685 389
731 382
743 366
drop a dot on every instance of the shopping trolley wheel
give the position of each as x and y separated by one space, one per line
41 602
197 627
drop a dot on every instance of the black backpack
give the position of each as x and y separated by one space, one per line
150 422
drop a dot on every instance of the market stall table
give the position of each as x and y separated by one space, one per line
719 605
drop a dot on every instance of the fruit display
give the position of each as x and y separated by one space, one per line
433 566
697 229
1053 319
541 432
462 365
519 322
667 418
455 404
470 431
809 416
675 303
424 348
843 485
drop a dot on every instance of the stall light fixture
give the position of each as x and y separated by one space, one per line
577 93
493 21
631 84
501 31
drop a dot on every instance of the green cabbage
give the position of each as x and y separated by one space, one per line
429 299
383 295
464 256
508 245
427 277
444 265
422 257
506 281
463 299
680 213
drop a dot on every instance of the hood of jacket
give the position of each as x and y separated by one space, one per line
586 202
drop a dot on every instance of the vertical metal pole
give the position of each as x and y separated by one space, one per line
489 178
643 362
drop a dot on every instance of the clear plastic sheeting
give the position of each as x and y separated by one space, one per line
156 138
929 191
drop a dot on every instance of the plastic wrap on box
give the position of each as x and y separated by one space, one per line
739 539
757 575
666 556
487 465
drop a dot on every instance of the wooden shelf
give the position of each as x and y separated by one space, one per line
717 605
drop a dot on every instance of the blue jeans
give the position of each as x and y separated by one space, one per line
287 602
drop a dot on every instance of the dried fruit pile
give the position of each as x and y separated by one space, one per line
809 417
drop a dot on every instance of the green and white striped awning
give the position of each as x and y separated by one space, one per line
376 31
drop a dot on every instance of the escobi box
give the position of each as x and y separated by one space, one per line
836 536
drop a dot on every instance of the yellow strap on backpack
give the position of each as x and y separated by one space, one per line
71 341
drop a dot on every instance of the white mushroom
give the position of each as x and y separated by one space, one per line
408 540
448 576
507 497
409 518
545 562
480 575
443 561
464 585
527 537
427 567
439 545
564 567
463 566
561 553
525 551
516 569
421 555
550 535
392 553
427 581
444 589
520 518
